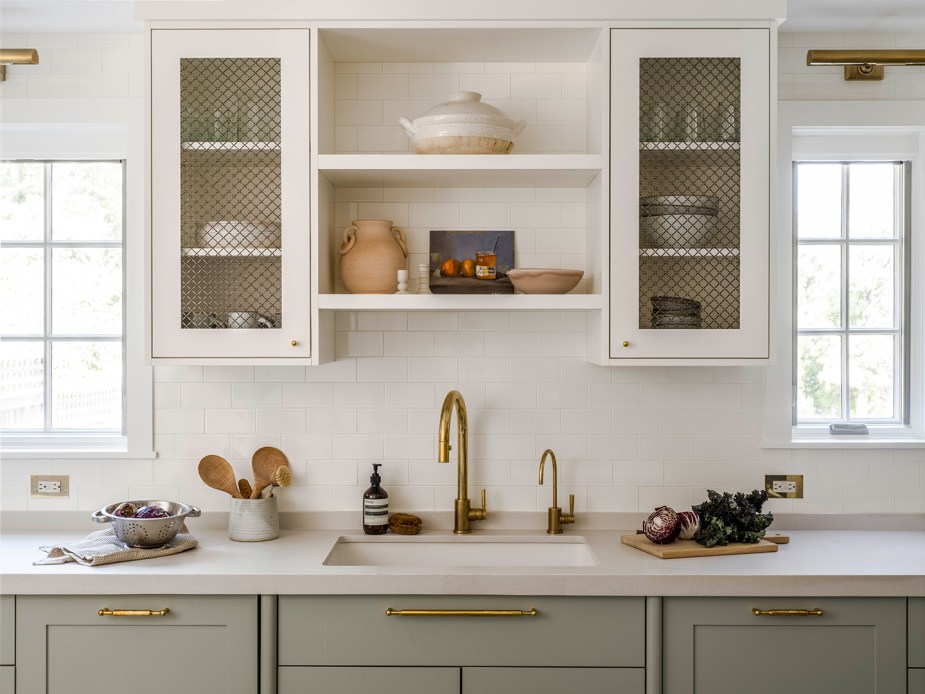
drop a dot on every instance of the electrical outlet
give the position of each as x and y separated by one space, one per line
784 486
50 486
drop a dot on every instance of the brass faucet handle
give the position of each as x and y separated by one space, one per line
570 516
479 513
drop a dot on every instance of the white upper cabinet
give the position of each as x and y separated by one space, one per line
689 195
229 227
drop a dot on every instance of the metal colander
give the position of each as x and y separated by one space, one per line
147 532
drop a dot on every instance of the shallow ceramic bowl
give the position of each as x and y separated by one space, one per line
544 280
677 230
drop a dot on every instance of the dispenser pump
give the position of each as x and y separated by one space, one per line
375 478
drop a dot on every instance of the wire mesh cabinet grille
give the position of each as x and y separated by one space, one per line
229 225
690 199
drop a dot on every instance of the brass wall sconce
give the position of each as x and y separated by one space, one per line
865 65
16 56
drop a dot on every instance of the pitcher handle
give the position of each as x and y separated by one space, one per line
408 126
350 238
400 240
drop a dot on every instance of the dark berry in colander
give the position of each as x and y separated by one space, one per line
125 510
151 512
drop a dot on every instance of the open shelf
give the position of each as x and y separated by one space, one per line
461 302
460 170
230 146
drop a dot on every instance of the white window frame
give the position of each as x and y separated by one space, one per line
840 131
98 142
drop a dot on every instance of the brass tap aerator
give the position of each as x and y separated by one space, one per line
554 516
462 506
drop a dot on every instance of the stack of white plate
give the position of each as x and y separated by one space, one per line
678 221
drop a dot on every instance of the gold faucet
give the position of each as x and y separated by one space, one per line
555 517
463 512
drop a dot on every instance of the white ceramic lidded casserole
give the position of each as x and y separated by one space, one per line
463 125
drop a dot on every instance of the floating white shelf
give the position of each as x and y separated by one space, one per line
461 302
688 252
460 170
232 252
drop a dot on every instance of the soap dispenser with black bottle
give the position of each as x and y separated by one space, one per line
375 506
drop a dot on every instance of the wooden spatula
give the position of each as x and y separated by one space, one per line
217 472
265 462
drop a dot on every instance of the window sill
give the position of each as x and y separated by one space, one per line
821 438
70 446
72 454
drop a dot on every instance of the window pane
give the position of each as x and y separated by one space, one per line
22 385
22 298
870 295
819 287
819 200
870 200
86 385
86 291
22 201
870 375
819 377
86 201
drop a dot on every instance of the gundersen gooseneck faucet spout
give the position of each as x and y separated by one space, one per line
463 511
555 517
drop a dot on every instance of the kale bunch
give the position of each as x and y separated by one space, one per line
726 518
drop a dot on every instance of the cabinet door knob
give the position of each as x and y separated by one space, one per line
626 343
295 343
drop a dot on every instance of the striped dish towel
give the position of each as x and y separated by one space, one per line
102 547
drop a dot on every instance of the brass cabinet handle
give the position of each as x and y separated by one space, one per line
626 343
815 612
295 343
532 612
106 612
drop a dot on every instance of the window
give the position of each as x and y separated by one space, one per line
62 363
851 342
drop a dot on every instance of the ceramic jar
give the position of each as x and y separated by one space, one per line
371 254
463 125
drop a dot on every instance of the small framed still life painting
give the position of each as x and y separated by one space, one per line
471 262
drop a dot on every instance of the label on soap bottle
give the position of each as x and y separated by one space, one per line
376 511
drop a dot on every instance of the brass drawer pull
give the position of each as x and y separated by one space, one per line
815 612
532 612
106 612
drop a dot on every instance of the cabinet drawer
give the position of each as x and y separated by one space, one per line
551 680
916 632
7 679
365 680
204 644
7 630
713 645
573 631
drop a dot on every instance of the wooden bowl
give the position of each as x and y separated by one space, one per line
544 280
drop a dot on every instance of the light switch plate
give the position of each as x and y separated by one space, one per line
784 486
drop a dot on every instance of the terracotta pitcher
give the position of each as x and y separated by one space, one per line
372 251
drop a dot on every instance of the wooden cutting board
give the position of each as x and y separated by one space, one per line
689 548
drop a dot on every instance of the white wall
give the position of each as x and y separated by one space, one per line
627 438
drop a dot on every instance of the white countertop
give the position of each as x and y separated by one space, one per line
814 563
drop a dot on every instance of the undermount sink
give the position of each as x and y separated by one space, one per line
460 551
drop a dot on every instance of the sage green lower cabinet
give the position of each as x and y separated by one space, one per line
349 645
366 680
916 645
719 646
203 644
7 644
553 680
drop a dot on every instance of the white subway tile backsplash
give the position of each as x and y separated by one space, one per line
382 421
613 447
230 421
459 344
490 86
256 395
306 446
205 394
536 85
280 421
577 421
382 370
434 86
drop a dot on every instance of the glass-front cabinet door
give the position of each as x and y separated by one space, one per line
229 216
690 125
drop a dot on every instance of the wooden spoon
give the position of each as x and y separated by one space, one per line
265 462
217 472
